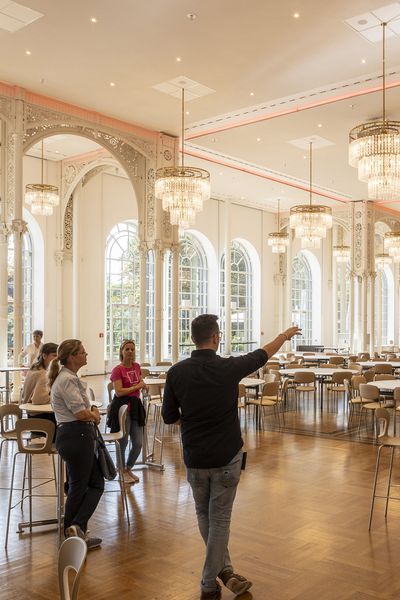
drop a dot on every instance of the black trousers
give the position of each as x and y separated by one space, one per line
75 442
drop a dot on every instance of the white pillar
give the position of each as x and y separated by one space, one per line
158 298
4 233
142 344
228 287
175 303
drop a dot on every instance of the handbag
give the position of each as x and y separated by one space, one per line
104 459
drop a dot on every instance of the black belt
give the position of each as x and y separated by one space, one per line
90 423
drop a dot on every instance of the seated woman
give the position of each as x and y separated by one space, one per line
36 389
127 382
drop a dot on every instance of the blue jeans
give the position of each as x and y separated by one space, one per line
135 432
214 491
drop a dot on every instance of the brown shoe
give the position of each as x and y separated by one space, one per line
234 582
215 595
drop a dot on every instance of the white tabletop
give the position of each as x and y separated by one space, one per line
371 363
13 369
154 381
318 372
389 384
47 408
158 368
251 381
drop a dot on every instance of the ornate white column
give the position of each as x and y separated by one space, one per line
4 233
228 308
378 340
396 304
158 297
143 248
175 302
371 279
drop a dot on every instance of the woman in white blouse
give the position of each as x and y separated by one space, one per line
75 439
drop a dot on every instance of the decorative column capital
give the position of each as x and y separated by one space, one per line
62 255
5 231
19 226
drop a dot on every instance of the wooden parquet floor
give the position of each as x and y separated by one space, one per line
299 529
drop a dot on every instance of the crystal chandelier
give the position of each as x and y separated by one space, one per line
310 221
381 260
341 253
391 244
41 197
182 189
375 149
278 240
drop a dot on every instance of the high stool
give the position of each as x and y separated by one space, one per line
8 433
29 448
382 416
114 438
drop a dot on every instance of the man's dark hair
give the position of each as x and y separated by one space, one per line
37 332
203 328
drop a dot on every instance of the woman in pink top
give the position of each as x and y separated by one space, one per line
127 381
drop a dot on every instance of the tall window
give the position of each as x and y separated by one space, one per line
302 299
384 283
122 287
343 304
150 349
241 299
27 292
192 288
167 331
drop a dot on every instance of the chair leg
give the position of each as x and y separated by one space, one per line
389 481
10 500
30 490
121 480
374 487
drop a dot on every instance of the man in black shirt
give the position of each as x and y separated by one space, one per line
201 392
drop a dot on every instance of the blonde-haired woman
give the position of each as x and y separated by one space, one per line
75 439
127 382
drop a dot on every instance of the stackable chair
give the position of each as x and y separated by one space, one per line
71 558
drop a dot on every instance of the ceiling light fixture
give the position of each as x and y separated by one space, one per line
341 252
375 149
42 198
278 240
93 20
28 52
391 244
310 221
182 189
381 260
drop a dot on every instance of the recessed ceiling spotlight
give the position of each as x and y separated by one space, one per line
178 59
296 15
251 93
191 16
220 173
320 125
304 156
363 61
187 112
57 152
93 20
258 139
112 84
28 52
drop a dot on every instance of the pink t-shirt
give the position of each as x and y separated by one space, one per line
129 376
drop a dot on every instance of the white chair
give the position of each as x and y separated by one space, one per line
71 557
114 438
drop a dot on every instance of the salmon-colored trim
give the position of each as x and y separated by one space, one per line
289 111
97 118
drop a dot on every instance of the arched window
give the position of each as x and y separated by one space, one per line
302 299
343 304
241 298
122 287
27 292
384 307
192 288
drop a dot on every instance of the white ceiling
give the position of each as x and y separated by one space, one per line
264 65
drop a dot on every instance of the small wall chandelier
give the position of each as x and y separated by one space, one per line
381 260
341 252
182 189
278 240
310 221
375 149
391 244
42 198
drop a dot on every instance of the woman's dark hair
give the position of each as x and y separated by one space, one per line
122 346
48 348
203 328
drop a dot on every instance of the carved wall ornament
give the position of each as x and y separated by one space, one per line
68 225
167 155
150 204
19 226
10 157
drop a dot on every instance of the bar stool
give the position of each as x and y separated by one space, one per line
114 438
385 441
8 433
42 445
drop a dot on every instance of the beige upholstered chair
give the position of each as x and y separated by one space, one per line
71 558
145 372
371 400
353 395
383 377
363 356
269 399
304 384
385 441
9 414
353 366
336 385
164 363
383 368
369 375
336 360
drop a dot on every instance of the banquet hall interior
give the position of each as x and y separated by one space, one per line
164 159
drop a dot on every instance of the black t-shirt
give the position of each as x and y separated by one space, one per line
202 392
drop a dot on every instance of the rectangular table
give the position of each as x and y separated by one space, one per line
320 374
7 371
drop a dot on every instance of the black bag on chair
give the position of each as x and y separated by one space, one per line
105 462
